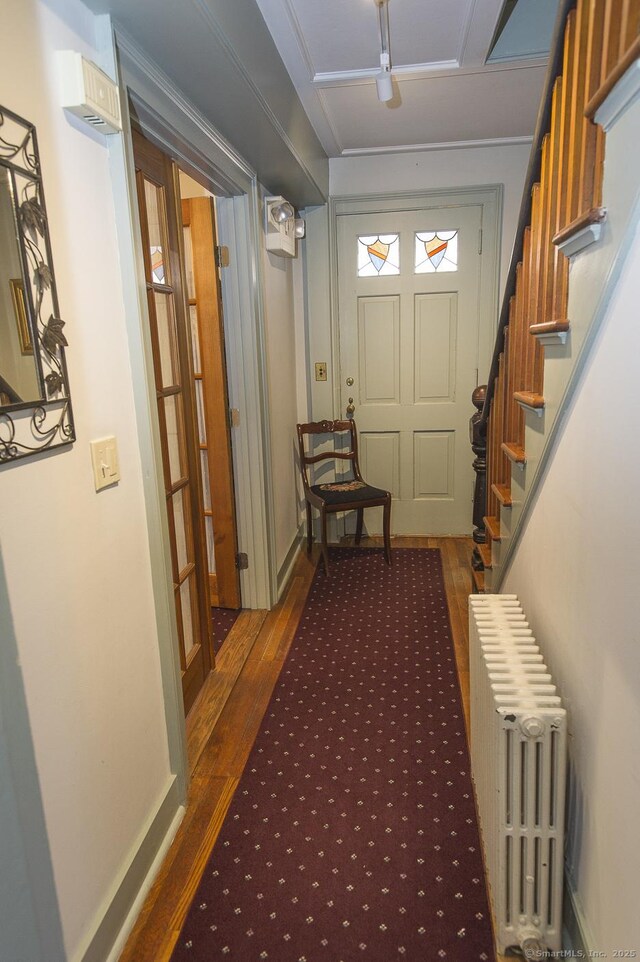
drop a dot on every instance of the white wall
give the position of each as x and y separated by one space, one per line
77 563
281 346
577 572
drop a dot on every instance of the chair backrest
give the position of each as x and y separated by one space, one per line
338 429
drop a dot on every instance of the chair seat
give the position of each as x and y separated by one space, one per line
339 492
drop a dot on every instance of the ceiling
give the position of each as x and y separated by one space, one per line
456 83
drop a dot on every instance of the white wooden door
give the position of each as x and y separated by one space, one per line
409 298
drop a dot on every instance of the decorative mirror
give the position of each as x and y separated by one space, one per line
35 405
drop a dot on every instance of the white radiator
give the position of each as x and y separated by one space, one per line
518 761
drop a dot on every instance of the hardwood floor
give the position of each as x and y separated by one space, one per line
223 725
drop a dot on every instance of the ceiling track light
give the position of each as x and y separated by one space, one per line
383 79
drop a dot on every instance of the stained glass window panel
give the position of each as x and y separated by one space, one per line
378 255
436 251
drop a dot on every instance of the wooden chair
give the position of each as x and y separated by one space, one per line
350 493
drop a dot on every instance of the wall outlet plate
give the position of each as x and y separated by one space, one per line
321 370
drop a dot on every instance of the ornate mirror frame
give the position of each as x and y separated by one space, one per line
30 426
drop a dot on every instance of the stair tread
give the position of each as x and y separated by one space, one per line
529 399
485 553
478 581
493 527
515 452
503 494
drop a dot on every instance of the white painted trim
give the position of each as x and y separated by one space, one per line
145 887
579 241
287 566
530 409
115 917
625 92
448 145
122 170
238 226
552 337
169 108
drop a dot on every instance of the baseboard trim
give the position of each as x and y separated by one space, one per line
286 568
577 937
118 912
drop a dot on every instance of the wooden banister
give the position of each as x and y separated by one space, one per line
594 42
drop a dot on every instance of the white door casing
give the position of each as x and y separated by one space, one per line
410 342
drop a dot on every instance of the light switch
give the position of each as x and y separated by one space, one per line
104 457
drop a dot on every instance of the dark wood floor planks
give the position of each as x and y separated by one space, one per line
224 723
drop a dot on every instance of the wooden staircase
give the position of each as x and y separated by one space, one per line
596 43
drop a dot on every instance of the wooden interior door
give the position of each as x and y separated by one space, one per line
156 179
212 403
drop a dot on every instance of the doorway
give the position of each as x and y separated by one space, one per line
411 327
190 379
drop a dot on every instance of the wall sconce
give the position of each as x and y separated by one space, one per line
280 226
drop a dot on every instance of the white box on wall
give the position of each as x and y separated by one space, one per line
88 92
280 235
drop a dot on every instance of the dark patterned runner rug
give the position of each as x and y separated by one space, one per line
352 834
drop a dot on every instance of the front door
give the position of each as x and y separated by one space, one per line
156 179
409 296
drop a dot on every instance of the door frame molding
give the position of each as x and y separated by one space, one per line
487 196
175 125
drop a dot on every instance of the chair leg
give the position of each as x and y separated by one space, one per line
325 551
309 529
386 528
359 517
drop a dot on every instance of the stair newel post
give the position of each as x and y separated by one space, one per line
478 438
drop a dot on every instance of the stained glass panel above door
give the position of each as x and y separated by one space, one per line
436 251
378 255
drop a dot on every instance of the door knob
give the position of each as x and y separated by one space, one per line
350 408
349 382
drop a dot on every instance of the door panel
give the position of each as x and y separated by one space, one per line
156 182
433 464
409 293
435 343
379 340
210 384
379 456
